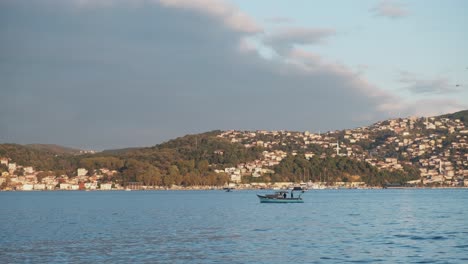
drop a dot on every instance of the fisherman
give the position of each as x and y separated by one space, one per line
284 195
292 196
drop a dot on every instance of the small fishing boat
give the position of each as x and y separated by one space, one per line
280 197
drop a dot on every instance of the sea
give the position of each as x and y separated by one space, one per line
213 226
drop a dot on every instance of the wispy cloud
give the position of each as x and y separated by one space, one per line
434 97
284 40
416 85
391 9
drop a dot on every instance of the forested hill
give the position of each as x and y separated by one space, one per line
38 157
56 149
193 154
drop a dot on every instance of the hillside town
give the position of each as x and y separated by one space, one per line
436 146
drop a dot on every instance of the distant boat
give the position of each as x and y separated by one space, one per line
299 188
228 189
279 197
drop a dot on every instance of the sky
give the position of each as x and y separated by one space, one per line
106 74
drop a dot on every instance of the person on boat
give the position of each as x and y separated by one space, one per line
292 196
284 195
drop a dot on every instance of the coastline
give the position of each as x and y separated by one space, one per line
223 188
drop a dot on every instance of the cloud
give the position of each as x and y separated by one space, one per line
135 74
233 17
404 107
434 97
416 85
311 62
284 40
390 9
218 9
433 107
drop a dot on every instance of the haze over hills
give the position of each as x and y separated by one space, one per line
55 148
426 150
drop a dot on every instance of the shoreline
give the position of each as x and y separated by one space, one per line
237 189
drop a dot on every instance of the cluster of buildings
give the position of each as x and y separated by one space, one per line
435 145
438 147
255 168
26 178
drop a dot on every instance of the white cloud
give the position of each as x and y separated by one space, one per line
390 8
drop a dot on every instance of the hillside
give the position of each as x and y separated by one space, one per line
430 150
40 159
118 151
462 116
52 148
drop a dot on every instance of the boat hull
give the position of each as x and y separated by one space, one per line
264 199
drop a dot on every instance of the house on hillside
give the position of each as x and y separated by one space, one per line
106 186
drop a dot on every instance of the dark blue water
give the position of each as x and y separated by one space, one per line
332 226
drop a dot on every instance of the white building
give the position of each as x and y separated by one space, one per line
81 172
11 167
90 185
106 186
39 186
64 186
237 178
4 161
27 187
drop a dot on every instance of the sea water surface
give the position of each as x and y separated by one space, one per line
332 226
